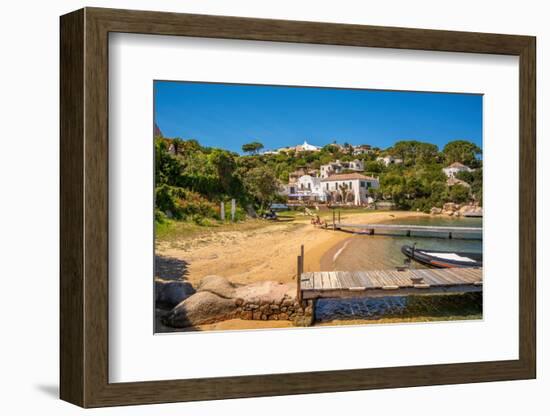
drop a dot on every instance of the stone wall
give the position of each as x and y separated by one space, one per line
289 309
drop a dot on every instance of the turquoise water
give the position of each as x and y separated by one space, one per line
380 252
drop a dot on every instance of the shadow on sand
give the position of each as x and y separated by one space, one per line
171 268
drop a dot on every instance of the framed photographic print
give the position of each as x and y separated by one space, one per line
255 207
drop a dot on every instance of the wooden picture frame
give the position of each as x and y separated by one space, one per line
84 207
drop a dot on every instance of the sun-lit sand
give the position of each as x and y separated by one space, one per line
265 253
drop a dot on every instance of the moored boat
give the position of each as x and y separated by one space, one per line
443 259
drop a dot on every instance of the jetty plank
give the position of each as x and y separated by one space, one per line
418 228
326 281
334 283
346 281
364 279
344 284
339 278
356 280
375 278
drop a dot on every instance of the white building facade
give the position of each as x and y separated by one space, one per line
389 160
307 187
455 168
350 188
337 167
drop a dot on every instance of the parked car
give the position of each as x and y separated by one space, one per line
278 207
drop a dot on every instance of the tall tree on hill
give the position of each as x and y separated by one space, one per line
261 183
413 152
462 151
225 165
252 147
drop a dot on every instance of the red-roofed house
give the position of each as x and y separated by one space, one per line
455 168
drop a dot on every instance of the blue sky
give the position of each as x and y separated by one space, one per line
229 115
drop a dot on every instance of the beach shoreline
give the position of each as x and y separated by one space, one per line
266 253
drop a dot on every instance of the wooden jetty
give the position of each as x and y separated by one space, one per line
376 283
407 230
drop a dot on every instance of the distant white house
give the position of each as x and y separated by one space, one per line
306 147
389 160
337 167
362 149
349 188
455 168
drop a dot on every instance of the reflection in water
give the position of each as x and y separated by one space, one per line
380 252
399 306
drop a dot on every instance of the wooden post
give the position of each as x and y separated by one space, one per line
233 209
302 257
333 220
222 211
339 217
450 235
299 279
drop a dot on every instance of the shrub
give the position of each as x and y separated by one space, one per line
183 204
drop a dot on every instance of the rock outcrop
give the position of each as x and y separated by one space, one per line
169 293
471 210
452 209
217 299
200 308
218 285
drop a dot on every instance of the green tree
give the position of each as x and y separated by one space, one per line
252 147
261 184
459 194
413 152
462 151
374 167
225 165
475 179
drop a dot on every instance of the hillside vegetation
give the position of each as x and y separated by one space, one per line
191 180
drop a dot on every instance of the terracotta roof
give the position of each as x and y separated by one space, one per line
456 165
347 177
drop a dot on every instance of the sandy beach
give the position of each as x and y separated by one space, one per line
258 251
265 253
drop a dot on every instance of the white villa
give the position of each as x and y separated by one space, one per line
362 149
305 147
307 187
455 168
337 167
389 160
349 188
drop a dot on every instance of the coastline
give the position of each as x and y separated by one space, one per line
269 253
266 253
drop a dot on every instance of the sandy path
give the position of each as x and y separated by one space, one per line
267 253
